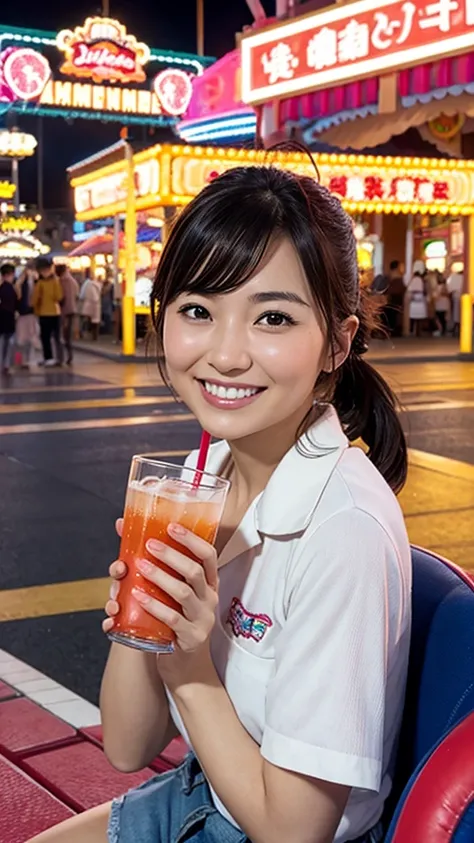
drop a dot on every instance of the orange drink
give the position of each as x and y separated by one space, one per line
159 494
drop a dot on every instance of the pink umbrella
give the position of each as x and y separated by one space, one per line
98 244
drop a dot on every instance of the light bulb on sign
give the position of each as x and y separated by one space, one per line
174 90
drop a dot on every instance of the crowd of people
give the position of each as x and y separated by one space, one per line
430 299
44 308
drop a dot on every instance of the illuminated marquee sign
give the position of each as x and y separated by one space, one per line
109 67
369 186
102 50
111 189
173 175
16 225
21 246
83 96
350 41
16 144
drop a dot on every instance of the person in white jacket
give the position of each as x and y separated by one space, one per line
418 305
91 306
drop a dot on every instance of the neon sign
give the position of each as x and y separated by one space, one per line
349 41
174 90
102 50
101 98
25 73
7 190
15 225
16 144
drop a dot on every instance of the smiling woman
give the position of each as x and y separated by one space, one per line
292 631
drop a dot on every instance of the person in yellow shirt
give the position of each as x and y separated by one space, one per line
47 297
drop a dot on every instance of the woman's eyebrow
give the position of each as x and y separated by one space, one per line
277 295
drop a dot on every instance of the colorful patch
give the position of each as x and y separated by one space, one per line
245 623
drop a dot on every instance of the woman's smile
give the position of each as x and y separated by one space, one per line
229 396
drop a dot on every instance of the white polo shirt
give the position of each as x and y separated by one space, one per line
313 625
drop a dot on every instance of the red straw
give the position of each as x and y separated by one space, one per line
202 457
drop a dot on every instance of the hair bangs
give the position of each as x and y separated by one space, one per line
215 249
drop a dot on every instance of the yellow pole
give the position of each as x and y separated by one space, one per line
465 333
128 300
467 300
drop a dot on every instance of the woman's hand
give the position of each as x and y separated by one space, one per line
117 572
196 592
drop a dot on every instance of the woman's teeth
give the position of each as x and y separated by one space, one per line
229 394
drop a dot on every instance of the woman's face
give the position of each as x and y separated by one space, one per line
248 360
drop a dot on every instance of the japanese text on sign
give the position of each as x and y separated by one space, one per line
351 41
399 189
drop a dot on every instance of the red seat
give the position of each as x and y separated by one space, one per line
6 691
171 757
25 726
175 752
93 733
26 808
81 776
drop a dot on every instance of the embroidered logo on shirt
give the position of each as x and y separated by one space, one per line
245 623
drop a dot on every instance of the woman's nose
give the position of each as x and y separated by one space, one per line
229 351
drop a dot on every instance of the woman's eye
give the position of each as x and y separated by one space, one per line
275 319
195 312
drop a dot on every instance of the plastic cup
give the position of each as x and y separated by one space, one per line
159 494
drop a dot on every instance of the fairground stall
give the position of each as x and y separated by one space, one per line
388 76
157 181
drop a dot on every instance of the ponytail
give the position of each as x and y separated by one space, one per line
367 408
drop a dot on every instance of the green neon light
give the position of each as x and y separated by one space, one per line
33 37
70 114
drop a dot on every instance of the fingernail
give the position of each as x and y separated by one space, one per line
146 567
178 530
155 546
140 596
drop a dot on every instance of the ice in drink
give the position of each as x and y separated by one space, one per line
151 505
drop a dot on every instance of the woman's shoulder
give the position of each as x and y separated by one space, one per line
358 501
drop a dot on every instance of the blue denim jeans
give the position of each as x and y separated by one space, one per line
175 807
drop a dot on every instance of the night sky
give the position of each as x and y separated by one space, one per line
166 25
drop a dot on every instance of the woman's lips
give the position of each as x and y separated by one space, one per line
228 402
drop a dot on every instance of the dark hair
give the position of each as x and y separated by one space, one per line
61 269
216 245
7 269
394 265
43 263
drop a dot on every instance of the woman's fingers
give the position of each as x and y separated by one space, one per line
191 571
119 526
117 569
108 624
200 548
180 591
112 608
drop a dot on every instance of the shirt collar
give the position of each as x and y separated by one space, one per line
295 487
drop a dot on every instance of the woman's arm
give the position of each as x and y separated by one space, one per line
134 707
268 802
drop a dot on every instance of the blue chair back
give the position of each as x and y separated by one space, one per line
440 689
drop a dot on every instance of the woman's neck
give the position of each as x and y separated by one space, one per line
255 458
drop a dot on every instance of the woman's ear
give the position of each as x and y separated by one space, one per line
347 333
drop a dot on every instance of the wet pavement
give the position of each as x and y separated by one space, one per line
66 442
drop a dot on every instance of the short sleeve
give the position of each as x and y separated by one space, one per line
325 705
